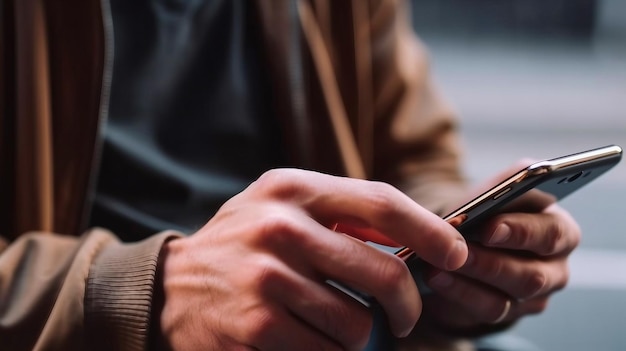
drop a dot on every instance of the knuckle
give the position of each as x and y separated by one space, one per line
281 183
576 238
576 232
534 284
560 285
493 268
554 238
392 271
571 230
564 279
267 275
275 228
524 237
572 237
383 200
262 325
271 177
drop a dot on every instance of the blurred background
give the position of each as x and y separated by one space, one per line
537 78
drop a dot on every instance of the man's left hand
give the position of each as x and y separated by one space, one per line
519 261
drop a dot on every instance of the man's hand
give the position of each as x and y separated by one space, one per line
254 277
519 261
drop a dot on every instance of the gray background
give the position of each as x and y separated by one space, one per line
533 80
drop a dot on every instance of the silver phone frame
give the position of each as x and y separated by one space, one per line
535 170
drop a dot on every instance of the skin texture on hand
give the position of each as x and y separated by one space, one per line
520 259
254 277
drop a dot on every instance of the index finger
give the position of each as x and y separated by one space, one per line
380 206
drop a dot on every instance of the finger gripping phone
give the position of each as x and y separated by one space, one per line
550 180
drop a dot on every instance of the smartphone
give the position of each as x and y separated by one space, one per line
551 179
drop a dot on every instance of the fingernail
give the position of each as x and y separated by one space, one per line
405 333
441 280
457 257
500 235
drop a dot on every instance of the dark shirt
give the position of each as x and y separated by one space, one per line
190 121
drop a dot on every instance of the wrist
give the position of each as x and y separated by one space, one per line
119 293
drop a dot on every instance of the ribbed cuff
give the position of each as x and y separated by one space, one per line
119 292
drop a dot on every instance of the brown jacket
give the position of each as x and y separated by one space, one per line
356 100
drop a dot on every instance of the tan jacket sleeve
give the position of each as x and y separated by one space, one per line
416 144
66 293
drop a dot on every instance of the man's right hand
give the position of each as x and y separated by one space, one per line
254 277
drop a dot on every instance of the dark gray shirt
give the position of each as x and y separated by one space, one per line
190 121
